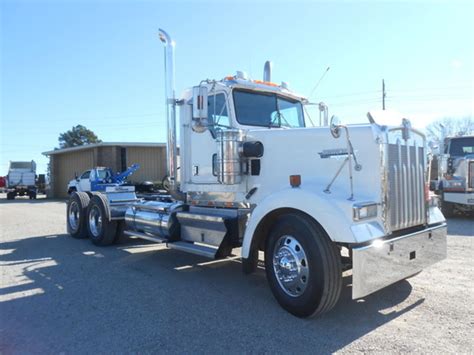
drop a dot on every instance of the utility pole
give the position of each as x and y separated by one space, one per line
384 94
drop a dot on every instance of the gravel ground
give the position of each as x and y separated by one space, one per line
58 294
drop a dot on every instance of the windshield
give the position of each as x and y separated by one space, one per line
462 146
267 110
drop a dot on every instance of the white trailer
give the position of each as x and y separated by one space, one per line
253 174
21 179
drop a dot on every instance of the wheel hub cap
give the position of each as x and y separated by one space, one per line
95 221
290 266
73 215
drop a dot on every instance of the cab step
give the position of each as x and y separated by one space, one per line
145 236
202 250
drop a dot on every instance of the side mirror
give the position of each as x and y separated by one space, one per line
334 126
200 103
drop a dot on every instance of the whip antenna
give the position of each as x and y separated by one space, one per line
319 82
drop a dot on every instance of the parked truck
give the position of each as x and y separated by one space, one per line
99 178
454 175
21 179
253 174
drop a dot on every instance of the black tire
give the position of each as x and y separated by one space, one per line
10 196
76 215
120 236
165 183
447 208
101 230
318 289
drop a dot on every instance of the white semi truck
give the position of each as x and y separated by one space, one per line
316 200
21 179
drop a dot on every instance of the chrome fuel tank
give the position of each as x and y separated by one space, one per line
153 217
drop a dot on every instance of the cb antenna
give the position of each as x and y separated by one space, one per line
319 82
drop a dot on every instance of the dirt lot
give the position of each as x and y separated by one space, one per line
58 294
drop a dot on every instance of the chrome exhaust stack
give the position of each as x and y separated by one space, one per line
171 147
267 71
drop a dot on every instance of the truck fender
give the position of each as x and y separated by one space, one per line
319 206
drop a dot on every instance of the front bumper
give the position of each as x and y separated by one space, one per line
387 261
462 198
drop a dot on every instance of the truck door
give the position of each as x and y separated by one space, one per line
84 181
203 145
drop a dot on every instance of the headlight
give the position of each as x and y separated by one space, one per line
364 210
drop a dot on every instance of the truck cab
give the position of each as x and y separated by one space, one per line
90 180
456 175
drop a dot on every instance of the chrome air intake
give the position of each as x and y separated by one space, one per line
228 163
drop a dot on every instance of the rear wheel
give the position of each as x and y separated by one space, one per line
101 230
76 215
120 236
302 266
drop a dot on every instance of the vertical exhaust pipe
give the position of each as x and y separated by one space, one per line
171 147
267 71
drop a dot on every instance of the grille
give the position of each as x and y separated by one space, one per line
406 186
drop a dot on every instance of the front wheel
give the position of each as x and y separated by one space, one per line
303 266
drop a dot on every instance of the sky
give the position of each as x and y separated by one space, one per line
100 63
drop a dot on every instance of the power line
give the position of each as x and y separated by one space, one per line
57 119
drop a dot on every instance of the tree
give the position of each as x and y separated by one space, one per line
78 135
449 127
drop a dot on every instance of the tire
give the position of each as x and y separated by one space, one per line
165 183
447 208
10 196
71 190
297 240
120 236
76 215
101 231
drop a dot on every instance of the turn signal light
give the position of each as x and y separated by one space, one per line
295 180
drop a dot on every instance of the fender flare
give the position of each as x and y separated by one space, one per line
318 205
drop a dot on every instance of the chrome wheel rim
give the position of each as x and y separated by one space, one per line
73 215
290 265
95 221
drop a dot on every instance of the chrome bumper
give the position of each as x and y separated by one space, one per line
387 261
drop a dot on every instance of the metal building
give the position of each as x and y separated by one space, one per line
65 163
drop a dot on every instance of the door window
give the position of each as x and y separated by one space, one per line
217 115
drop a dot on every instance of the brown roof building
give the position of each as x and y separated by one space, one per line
65 163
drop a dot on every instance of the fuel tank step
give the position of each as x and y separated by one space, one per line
145 236
206 251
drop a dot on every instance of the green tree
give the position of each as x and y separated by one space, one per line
76 136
